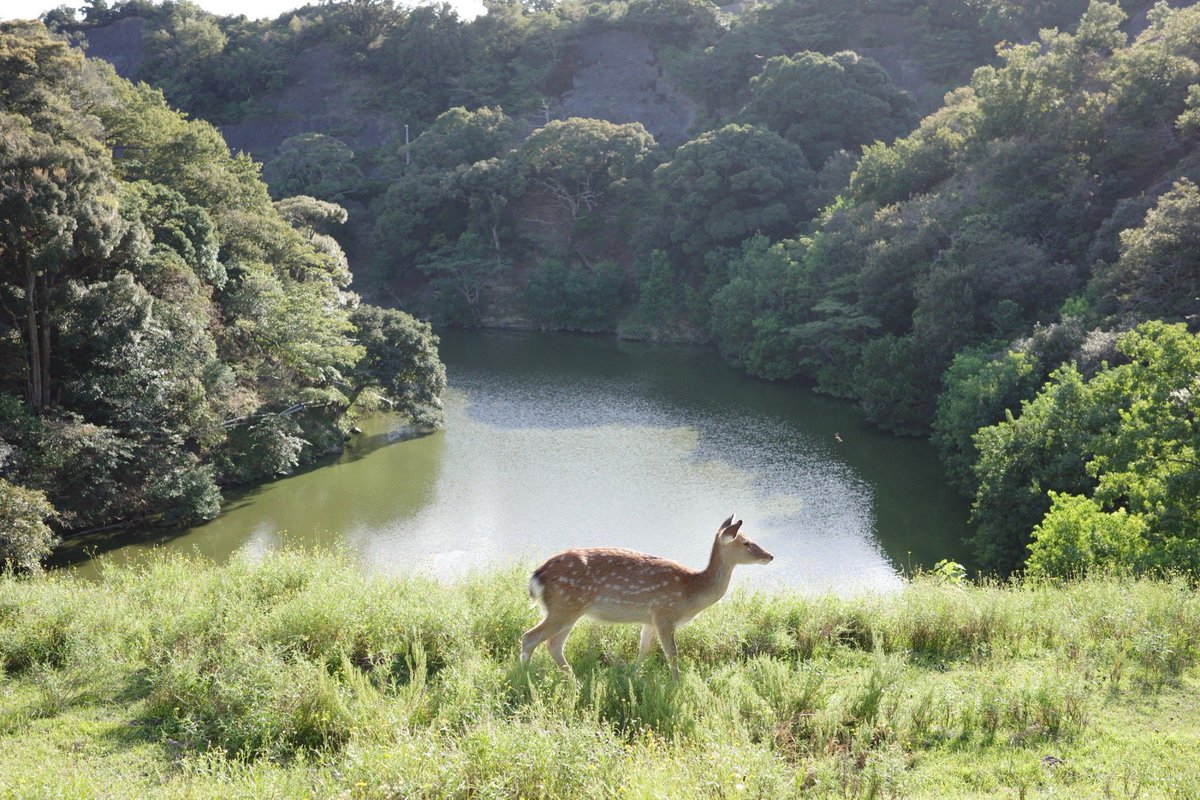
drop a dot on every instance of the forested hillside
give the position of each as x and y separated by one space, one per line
977 221
166 328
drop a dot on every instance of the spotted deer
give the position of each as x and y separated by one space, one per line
616 585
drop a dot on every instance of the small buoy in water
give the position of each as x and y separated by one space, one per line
837 436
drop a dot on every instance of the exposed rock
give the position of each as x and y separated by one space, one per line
120 44
615 75
320 98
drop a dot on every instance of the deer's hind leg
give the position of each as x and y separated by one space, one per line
555 645
549 628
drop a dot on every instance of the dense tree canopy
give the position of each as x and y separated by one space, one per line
828 103
166 329
728 184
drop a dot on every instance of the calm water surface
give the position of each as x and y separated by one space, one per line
554 441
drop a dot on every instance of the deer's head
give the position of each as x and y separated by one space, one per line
737 548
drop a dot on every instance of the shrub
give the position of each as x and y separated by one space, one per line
25 538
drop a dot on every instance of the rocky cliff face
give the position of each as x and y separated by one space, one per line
616 76
612 75
120 44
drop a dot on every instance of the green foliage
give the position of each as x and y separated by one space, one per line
828 103
562 295
25 538
667 307
312 164
728 184
215 67
400 361
1124 441
985 285
421 59
1076 536
982 223
979 389
311 215
166 325
1023 457
893 384
459 136
1158 272
452 199
1148 462
575 165
677 23
754 314
909 166
1188 122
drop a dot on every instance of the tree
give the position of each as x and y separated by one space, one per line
979 387
487 187
568 296
400 360
1077 536
575 163
455 184
986 285
1149 462
730 183
755 314
1022 457
461 137
173 224
310 215
1158 271
59 220
313 164
828 103
461 276
421 60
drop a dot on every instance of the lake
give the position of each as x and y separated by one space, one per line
555 440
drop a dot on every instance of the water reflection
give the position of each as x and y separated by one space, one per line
557 441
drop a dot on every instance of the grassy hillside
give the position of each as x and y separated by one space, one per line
300 677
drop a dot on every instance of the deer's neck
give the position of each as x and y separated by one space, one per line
713 580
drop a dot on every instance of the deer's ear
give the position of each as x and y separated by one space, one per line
730 532
726 523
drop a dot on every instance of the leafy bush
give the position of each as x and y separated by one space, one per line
1077 536
25 538
573 297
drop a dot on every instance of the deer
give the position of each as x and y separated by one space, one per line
616 585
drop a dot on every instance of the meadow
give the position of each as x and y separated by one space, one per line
300 676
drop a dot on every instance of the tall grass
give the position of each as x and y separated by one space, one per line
300 675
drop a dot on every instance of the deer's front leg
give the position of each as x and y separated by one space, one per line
666 637
647 642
